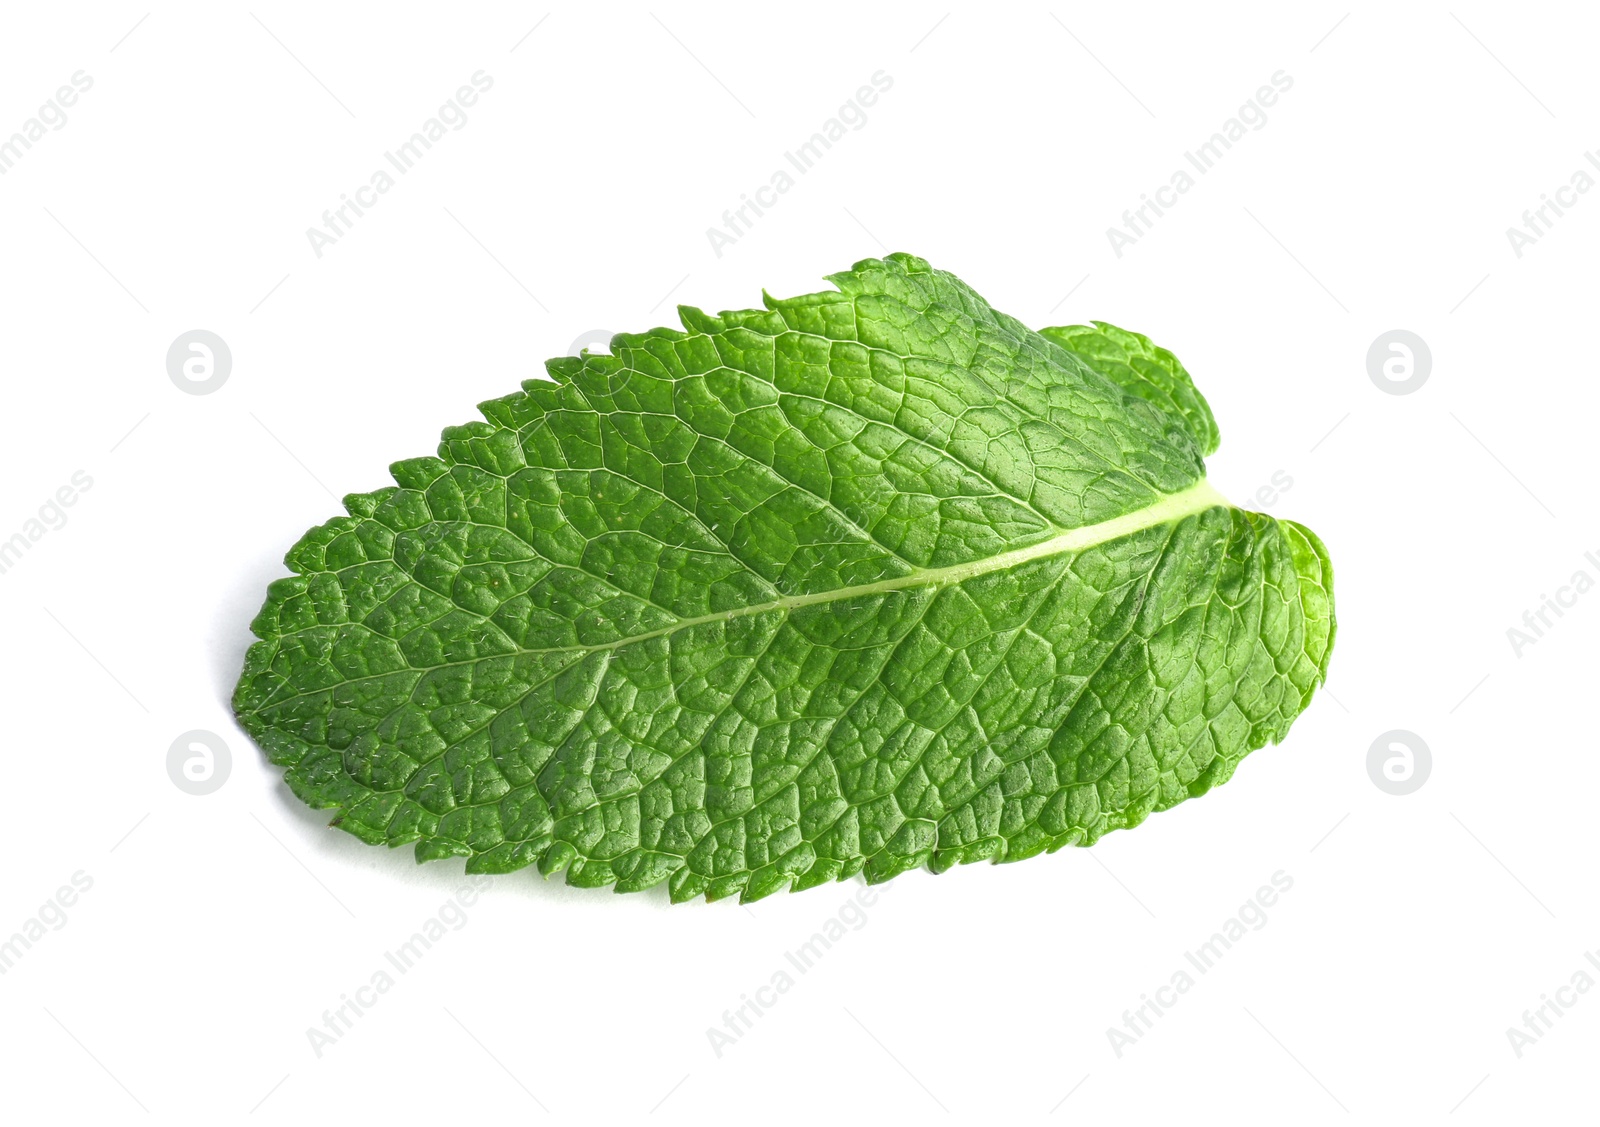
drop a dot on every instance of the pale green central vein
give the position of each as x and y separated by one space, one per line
1172 507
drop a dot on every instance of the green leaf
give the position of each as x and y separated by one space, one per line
865 580
1147 371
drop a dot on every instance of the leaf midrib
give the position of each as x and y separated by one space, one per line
1172 507
1197 498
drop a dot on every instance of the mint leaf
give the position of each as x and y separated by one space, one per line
866 580
1138 366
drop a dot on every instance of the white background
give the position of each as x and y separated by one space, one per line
577 197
